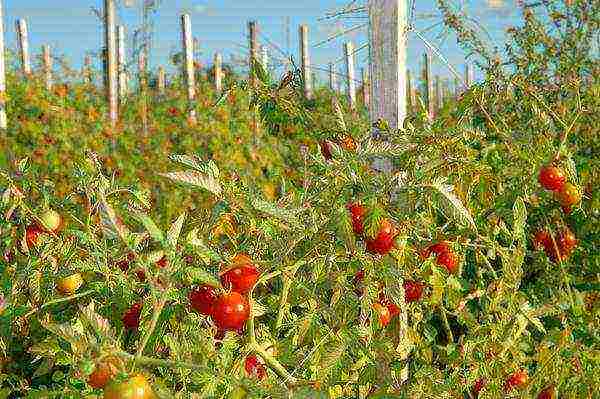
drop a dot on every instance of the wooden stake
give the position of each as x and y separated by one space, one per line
428 82
388 24
111 60
3 120
438 94
365 88
253 43
332 84
265 57
24 46
411 103
121 63
161 81
468 75
142 82
188 48
305 59
87 69
47 61
349 55
457 88
218 73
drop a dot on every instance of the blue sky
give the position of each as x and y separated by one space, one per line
71 28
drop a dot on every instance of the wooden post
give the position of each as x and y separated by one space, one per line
3 120
428 82
332 84
111 60
23 38
438 94
87 69
388 24
468 75
47 66
305 59
218 73
121 63
411 103
253 44
365 88
188 48
457 89
142 70
349 53
161 81
265 57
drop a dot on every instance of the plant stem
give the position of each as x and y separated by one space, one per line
288 379
150 361
446 325
157 311
55 301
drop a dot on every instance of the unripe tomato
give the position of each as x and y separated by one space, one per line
326 149
240 278
68 285
348 143
449 260
241 259
547 393
383 313
412 290
517 380
32 235
254 367
569 195
230 311
551 178
51 220
391 306
357 214
384 241
131 318
103 373
478 386
137 387
202 299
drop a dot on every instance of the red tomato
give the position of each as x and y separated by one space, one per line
569 195
542 239
325 149
254 367
384 241
230 311
566 241
162 262
551 178
391 306
449 260
439 248
137 387
32 235
202 299
383 313
412 290
131 318
240 278
478 386
103 373
547 393
123 264
357 214
516 380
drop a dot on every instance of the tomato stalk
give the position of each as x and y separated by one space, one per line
55 301
446 325
157 311
288 277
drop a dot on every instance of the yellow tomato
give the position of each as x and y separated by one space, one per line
70 284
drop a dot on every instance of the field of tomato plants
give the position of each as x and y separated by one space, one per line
165 259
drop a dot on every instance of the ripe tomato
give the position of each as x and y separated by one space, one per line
566 241
478 386
357 214
449 260
230 311
51 220
551 178
202 299
384 241
412 290
123 264
569 195
348 143
383 313
137 387
254 367
517 380
547 393
240 278
326 149
440 247
32 235
103 373
391 306
68 285
542 239
131 318
162 262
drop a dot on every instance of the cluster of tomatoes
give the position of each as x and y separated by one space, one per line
553 179
516 380
444 256
384 240
347 143
557 247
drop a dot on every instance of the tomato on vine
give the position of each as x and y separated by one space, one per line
136 387
551 178
131 318
449 260
230 311
32 235
240 278
384 240
569 195
413 290
51 220
68 285
357 214
516 380
202 299
103 373
254 367
383 314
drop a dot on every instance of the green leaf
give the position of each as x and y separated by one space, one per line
446 191
196 179
150 226
175 230
286 215
520 218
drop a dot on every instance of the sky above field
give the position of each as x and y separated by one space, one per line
72 29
